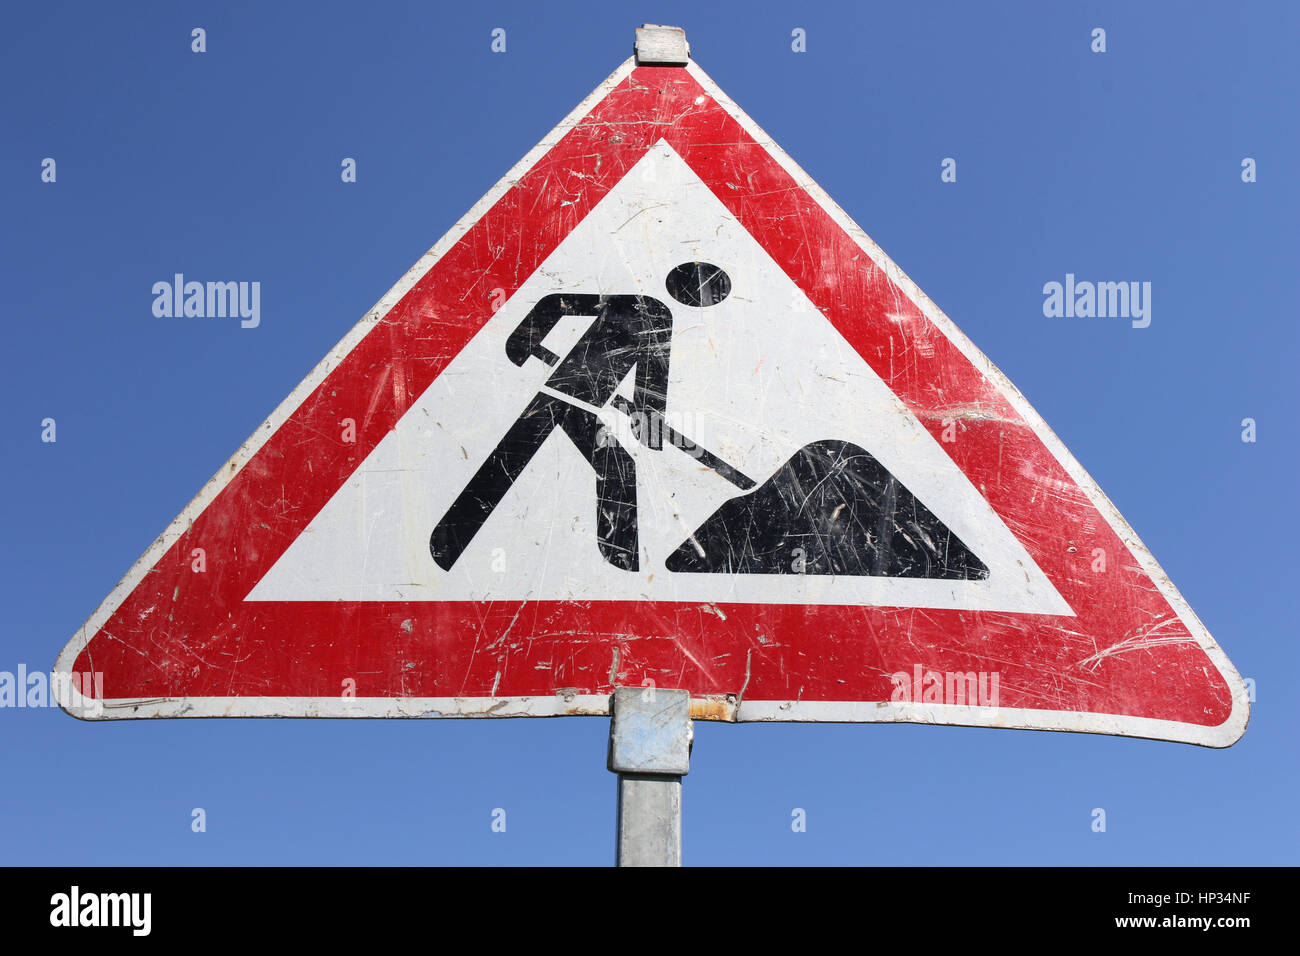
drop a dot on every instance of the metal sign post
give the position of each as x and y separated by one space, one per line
650 749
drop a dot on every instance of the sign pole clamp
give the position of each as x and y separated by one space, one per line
650 739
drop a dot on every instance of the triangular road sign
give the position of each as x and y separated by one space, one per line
657 412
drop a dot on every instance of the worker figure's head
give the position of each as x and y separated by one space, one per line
698 284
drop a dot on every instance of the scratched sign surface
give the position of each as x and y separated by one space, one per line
657 411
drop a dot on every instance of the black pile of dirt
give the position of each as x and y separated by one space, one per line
831 509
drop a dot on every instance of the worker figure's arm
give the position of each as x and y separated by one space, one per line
526 340
651 392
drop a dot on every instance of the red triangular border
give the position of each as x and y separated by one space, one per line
1133 660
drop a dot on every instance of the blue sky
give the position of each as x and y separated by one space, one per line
1124 165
